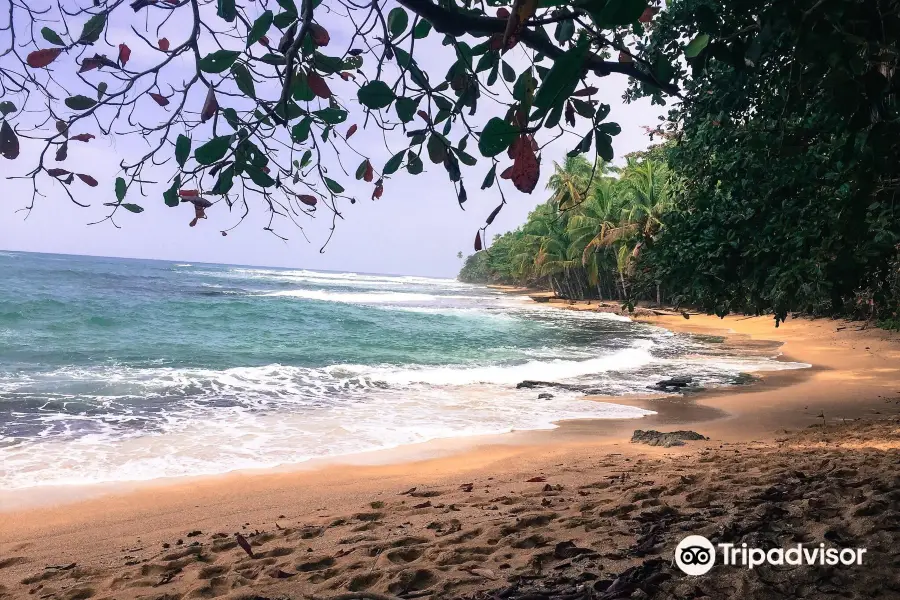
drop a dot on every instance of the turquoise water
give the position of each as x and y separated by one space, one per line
120 369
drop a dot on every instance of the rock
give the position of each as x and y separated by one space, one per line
544 396
531 384
665 439
675 382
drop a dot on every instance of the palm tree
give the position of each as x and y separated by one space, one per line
571 181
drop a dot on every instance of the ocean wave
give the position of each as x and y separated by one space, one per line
353 297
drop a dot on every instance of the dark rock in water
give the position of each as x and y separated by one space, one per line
544 396
665 439
530 383
676 383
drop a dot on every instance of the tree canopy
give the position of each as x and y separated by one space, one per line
252 105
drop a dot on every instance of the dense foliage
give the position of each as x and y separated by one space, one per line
786 170
585 240
783 170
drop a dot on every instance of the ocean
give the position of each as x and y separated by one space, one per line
118 370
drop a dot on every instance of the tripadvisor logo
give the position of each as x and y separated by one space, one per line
696 555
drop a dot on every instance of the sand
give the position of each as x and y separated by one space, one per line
801 456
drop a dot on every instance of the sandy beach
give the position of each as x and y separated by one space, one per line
802 456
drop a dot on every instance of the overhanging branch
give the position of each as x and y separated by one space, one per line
456 23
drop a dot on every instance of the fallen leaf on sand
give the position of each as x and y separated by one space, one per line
536 480
243 543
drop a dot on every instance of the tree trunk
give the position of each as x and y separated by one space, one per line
624 291
658 296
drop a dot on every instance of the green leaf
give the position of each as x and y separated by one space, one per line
232 118
259 177
619 12
406 109
564 31
284 20
243 79
133 208
300 88
610 128
52 37
328 64
333 185
218 61
121 188
361 169
182 149
489 178
300 131
466 159
414 164
563 77
376 95
604 146
101 89
496 137
273 59
289 6
80 102
226 10
7 107
332 116
393 164
91 31
289 110
397 21
213 150
307 158
260 27
422 29
170 196
437 149
509 73
225 182
696 46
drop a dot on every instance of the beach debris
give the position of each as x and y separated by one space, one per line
538 479
67 567
243 543
409 491
566 550
425 504
467 487
664 439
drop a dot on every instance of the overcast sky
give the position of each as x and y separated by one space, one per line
417 226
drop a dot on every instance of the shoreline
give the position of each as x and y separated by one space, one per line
855 375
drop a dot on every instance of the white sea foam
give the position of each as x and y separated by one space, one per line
353 297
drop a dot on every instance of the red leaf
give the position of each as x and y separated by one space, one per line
368 175
189 193
56 172
379 190
264 41
160 99
164 44
83 137
89 64
42 58
477 241
502 13
624 57
425 116
350 131
648 14
307 199
124 54
243 543
210 106
87 179
266 170
525 170
588 91
319 35
318 85
347 76
507 173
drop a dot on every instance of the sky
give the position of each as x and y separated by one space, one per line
417 227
